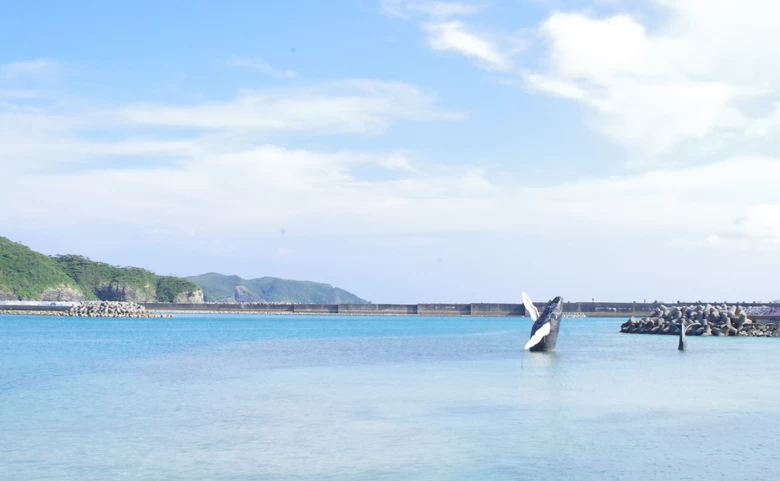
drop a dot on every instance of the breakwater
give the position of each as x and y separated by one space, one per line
83 309
700 320
474 309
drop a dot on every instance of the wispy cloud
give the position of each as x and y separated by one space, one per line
324 192
28 68
351 106
209 161
398 162
409 8
316 193
447 9
18 94
446 32
262 67
228 160
21 81
761 222
454 36
167 156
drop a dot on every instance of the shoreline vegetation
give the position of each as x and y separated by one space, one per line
29 275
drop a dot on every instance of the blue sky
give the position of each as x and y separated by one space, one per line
406 150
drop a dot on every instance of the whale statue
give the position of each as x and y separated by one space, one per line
544 332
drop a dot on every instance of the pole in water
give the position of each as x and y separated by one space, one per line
682 344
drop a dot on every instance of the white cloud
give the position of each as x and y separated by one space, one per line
225 180
319 192
760 222
397 162
352 106
408 8
446 33
21 81
35 138
448 9
63 155
18 94
709 203
454 36
253 191
262 67
27 68
695 78
39 133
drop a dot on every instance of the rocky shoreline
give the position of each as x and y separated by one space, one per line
115 309
700 320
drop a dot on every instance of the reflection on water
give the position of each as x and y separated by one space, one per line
248 398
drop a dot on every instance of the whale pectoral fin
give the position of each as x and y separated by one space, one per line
530 308
538 336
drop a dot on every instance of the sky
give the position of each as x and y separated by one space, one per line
405 150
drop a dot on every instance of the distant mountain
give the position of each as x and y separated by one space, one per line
29 275
221 288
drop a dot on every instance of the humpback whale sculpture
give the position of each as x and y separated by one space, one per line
544 333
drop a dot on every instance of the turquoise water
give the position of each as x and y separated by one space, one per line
379 398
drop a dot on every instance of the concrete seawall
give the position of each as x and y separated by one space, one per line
485 309
397 309
589 309
444 309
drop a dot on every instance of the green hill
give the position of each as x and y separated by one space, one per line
29 275
221 288
103 281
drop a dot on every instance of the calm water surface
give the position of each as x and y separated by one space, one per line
379 398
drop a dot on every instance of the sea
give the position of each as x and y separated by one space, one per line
245 397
